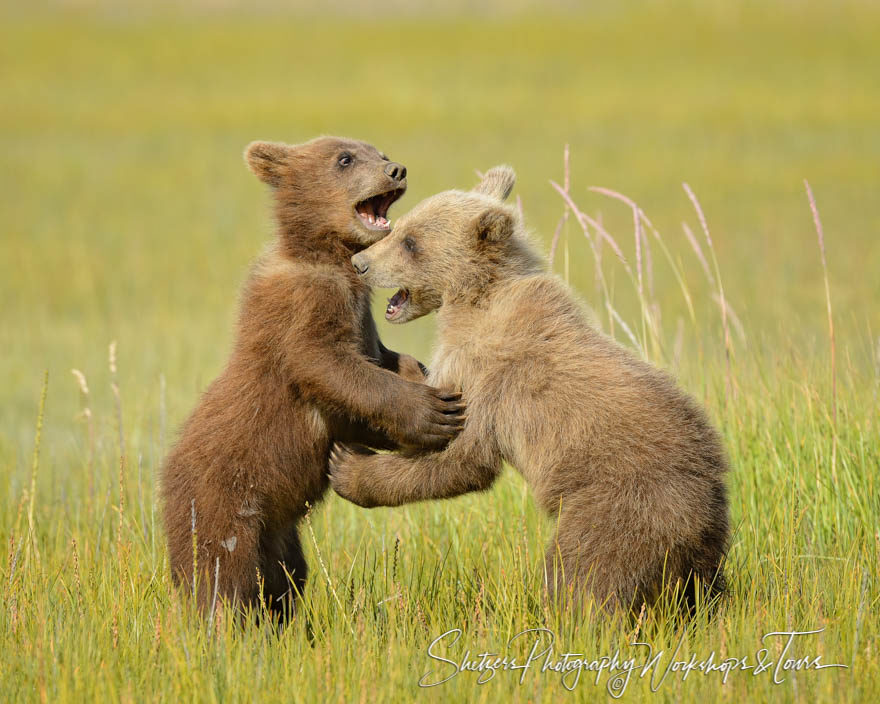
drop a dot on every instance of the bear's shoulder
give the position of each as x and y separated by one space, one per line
275 271
544 291
544 305
283 293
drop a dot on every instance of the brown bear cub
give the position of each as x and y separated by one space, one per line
626 463
307 368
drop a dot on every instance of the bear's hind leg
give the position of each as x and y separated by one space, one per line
599 552
574 574
284 574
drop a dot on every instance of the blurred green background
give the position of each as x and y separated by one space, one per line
128 214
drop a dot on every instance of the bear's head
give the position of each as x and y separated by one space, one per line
330 188
450 246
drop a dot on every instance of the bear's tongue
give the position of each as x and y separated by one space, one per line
396 303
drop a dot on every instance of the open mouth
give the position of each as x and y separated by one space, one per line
396 304
373 211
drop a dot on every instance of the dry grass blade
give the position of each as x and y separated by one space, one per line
35 463
625 327
649 307
723 300
733 318
214 597
821 235
323 565
90 426
585 221
114 385
555 241
564 219
637 225
672 265
698 251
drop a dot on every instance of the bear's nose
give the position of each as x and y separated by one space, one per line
361 265
395 170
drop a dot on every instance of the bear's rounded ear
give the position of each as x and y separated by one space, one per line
267 160
494 224
497 182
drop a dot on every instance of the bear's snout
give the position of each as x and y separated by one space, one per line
360 262
395 171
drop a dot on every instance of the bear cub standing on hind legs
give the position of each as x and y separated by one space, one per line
628 464
307 368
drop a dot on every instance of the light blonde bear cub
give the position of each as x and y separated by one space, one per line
627 464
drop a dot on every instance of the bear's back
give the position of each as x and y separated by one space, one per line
562 388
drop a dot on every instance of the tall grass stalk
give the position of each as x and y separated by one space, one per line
35 463
117 396
585 221
821 235
566 180
728 351
90 426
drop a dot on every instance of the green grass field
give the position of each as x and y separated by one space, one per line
127 215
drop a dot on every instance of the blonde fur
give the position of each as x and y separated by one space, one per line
626 462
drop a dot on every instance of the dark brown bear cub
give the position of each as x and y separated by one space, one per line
307 368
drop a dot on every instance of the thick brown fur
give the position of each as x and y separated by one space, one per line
627 464
307 368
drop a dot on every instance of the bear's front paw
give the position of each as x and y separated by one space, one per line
429 419
411 369
344 465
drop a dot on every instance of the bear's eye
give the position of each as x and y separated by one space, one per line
409 245
345 159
